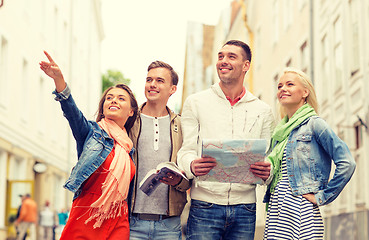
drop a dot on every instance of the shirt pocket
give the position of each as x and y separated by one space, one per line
303 142
92 148
306 162
94 143
252 127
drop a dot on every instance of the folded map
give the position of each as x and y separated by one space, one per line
234 158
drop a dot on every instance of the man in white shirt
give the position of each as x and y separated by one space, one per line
225 111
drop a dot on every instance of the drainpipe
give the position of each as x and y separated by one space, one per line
311 4
251 44
365 60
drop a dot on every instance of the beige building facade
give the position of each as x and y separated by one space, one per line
37 150
197 70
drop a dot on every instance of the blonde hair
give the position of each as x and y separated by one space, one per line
311 99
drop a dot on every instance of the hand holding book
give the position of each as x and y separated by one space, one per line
166 172
171 179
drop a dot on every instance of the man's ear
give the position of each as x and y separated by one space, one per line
173 89
246 66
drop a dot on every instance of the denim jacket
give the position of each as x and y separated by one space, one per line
310 149
93 143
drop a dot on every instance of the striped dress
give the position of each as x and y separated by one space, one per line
291 217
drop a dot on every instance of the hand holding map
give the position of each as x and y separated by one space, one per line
234 158
261 169
202 166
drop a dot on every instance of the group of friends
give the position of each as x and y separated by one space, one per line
126 141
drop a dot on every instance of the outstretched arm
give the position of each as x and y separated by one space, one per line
52 70
78 123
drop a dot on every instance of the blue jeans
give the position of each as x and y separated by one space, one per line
208 221
167 229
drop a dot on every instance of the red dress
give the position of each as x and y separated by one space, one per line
113 228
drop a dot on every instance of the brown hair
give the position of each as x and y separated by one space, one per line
160 64
131 120
242 45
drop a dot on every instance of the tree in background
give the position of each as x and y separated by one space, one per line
112 77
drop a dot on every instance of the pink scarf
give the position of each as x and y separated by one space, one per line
116 185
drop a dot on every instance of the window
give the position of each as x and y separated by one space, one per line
304 57
275 83
3 70
56 28
24 94
354 28
325 68
287 16
58 193
43 18
3 188
288 63
301 4
358 135
258 48
338 56
41 104
341 134
275 21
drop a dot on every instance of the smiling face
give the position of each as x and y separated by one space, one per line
291 92
232 64
158 86
117 106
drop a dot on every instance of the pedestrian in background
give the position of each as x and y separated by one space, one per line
17 216
27 217
304 149
225 111
62 221
47 222
102 175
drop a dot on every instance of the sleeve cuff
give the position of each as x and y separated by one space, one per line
270 178
319 197
63 95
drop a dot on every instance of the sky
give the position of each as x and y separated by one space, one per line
140 32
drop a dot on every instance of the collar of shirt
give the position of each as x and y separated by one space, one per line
234 101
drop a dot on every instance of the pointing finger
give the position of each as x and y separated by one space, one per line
49 57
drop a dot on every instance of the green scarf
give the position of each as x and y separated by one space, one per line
280 138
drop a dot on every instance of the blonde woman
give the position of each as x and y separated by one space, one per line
304 147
